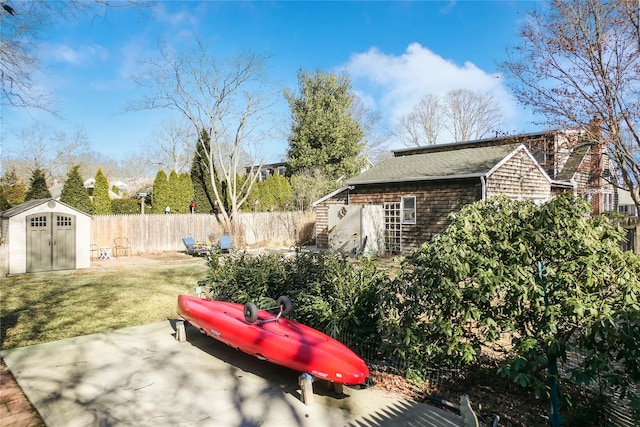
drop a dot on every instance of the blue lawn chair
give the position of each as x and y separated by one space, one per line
193 248
226 243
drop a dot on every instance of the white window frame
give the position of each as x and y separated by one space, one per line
408 214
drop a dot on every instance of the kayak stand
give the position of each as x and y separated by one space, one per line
306 388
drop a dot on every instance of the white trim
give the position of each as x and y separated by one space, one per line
328 196
513 153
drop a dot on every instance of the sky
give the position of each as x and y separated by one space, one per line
395 52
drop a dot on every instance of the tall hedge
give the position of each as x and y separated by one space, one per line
101 199
161 193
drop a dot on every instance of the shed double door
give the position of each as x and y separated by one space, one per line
51 242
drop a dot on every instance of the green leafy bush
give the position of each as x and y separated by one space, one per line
329 292
480 281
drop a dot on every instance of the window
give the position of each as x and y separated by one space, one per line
409 209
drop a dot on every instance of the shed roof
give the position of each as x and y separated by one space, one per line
463 163
30 204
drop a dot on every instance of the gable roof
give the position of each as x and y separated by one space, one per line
29 204
468 162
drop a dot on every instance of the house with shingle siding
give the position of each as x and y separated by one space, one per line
419 187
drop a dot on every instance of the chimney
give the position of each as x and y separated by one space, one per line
596 181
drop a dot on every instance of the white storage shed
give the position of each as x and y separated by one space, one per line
45 235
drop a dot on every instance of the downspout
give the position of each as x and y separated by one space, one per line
484 187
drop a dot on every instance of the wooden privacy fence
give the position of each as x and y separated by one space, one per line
158 233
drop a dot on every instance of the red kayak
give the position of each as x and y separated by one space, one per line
274 338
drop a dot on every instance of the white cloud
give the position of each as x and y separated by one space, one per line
398 82
75 56
173 17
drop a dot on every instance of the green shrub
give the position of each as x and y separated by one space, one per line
125 206
329 292
480 279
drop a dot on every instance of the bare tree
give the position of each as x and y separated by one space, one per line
467 115
228 99
422 125
41 147
471 115
375 135
23 24
578 63
172 146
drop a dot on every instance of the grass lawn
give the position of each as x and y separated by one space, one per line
38 308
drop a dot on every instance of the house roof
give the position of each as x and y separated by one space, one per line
462 163
29 204
573 163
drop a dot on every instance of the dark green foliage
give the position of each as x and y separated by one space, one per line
474 285
176 202
271 194
4 205
329 292
101 199
37 186
480 279
73 192
125 206
186 191
202 189
324 132
161 193
12 189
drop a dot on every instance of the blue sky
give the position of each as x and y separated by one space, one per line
395 52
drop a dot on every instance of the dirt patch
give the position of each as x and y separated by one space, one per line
147 259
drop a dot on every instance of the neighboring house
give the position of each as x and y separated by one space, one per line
89 184
626 204
269 169
418 188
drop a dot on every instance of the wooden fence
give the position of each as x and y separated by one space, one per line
158 233
631 224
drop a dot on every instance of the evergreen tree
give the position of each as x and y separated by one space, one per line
73 192
12 189
281 190
186 190
202 191
178 199
324 132
101 199
274 193
37 186
161 193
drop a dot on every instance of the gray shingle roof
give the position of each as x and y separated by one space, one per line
23 207
466 162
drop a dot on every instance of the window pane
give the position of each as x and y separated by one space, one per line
409 210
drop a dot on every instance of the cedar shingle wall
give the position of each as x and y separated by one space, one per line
519 178
435 200
322 218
